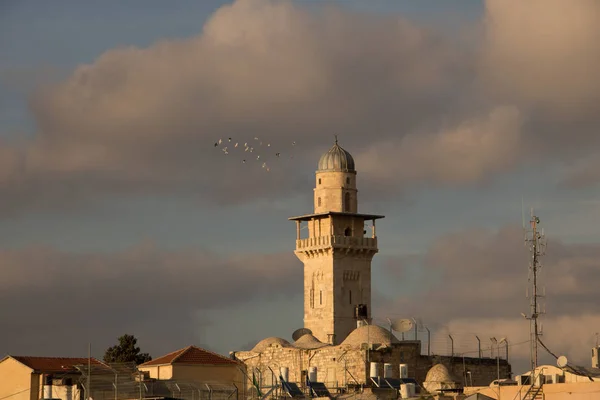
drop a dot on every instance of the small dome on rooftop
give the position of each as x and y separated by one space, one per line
336 160
308 341
438 373
270 342
439 378
370 334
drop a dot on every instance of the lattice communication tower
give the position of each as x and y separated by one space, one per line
536 241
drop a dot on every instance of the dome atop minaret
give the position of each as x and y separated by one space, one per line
336 160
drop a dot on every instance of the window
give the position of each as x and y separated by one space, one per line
319 202
320 297
350 296
347 201
348 231
319 181
347 181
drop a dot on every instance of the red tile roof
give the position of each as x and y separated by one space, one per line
191 355
54 364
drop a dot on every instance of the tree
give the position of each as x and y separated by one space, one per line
126 351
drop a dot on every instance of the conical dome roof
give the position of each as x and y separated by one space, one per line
336 159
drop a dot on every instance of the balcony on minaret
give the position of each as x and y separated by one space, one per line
336 241
336 231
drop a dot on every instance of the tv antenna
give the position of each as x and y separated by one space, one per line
401 325
536 240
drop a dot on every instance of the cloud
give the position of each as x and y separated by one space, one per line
140 120
581 173
464 154
544 53
75 298
475 281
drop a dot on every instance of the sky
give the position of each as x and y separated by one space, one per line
119 215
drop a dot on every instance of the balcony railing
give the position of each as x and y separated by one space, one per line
336 241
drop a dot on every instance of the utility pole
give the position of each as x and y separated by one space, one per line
89 375
536 240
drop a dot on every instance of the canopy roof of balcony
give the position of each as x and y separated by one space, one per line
309 217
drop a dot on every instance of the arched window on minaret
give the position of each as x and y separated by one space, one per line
348 232
347 202
320 297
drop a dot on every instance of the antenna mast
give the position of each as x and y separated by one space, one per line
536 240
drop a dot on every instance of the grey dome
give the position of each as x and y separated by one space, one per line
336 159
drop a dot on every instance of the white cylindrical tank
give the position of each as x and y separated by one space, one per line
407 390
285 373
312 374
387 370
374 373
404 391
403 371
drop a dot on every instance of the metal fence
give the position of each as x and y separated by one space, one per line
123 381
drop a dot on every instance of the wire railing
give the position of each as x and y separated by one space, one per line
116 381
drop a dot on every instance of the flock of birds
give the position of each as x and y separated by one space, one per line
248 148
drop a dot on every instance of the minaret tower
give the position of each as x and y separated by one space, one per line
336 252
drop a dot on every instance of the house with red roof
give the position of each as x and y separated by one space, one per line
195 364
33 378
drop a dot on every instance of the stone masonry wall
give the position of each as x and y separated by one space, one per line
335 366
338 366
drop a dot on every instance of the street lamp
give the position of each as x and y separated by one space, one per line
503 340
495 342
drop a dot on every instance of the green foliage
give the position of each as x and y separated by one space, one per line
126 351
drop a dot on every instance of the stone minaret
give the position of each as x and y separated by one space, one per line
335 250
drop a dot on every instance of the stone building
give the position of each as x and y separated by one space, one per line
338 339
336 253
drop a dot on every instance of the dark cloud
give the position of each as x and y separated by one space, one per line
474 282
55 302
554 67
438 110
145 120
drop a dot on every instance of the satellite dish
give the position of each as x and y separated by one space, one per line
562 361
298 333
402 325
